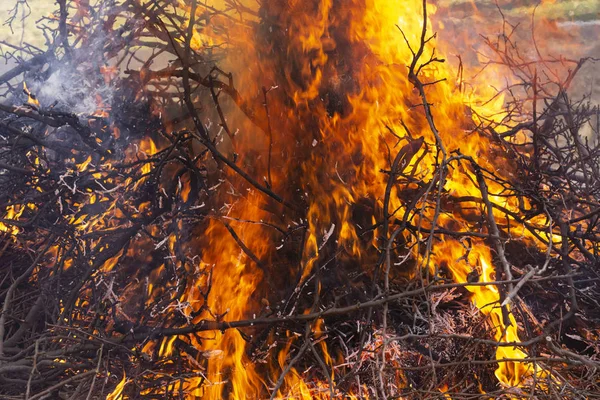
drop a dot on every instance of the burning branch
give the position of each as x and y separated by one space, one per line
343 221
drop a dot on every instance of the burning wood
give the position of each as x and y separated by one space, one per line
292 200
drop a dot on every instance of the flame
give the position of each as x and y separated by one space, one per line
13 213
102 109
340 104
343 112
109 73
451 253
83 166
234 280
444 390
117 394
147 149
325 104
31 99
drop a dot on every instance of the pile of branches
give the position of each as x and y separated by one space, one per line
91 217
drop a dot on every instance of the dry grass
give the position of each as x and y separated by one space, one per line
37 9
570 10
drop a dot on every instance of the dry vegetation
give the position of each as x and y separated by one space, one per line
179 230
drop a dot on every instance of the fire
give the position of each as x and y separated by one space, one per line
234 279
451 253
117 394
350 146
31 98
352 101
109 73
11 213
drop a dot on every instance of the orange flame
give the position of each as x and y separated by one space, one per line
339 87
31 99
375 96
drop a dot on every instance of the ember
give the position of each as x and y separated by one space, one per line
295 200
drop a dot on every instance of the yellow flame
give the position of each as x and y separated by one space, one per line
31 99
117 394
12 212
357 54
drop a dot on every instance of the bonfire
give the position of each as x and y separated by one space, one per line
309 199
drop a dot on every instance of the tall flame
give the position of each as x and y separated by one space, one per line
329 84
